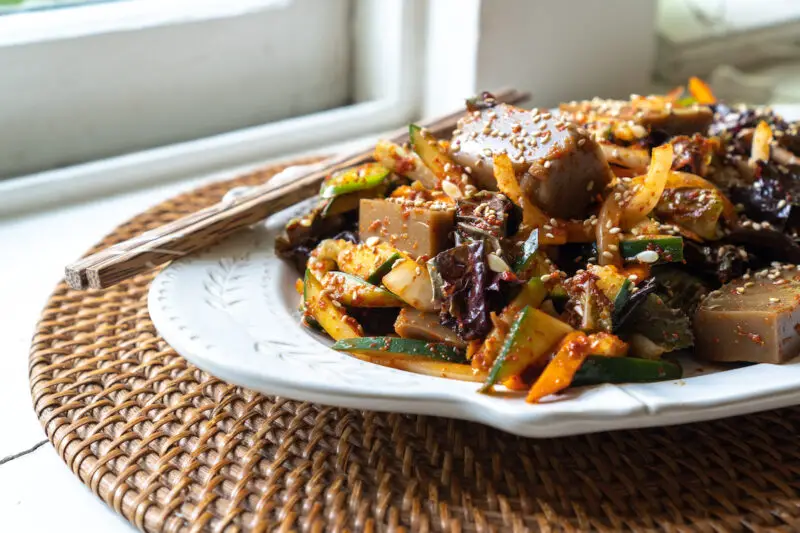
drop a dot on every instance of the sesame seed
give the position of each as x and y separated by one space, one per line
545 278
496 264
549 235
547 164
781 204
590 186
647 256
749 284
740 290
774 300
607 254
372 241
614 230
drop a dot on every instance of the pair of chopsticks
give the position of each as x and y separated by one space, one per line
212 224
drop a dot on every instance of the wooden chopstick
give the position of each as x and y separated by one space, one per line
207 226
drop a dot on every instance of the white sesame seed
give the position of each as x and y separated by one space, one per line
372 241
451 190
545 278
496 264
774 300
547 164
647 256
740 290
590 186
614 230
549 235
781 204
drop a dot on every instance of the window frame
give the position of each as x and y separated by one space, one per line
386 92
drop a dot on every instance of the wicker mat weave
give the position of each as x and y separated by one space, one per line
173 449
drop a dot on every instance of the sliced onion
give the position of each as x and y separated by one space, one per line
648 190
634 158
608 242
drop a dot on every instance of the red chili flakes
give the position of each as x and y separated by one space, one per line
753 337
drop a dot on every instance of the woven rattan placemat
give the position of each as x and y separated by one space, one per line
174 449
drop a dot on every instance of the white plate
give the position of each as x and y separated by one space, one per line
232 311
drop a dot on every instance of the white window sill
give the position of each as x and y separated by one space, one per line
94 19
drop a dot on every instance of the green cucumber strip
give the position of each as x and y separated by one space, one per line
376 277
669 248
439 351
362 177
369 293
500 369
622 298
598 369
529 249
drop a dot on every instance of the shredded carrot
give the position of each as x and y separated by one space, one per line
640 270
559 373
675 93
701 91
472 348
515 383
762 138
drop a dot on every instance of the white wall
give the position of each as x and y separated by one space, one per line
556 49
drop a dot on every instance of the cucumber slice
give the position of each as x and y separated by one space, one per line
412 283
669 249
529 249
432 155
326 312
377 275
362 177
532 294
366 261
345 203
621 300
355 292
396 345
531 337
597 369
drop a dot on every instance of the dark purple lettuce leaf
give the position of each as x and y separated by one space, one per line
731 121
692 154
774 196
766 244
298 240
622 316
467 289
717 261
486 216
